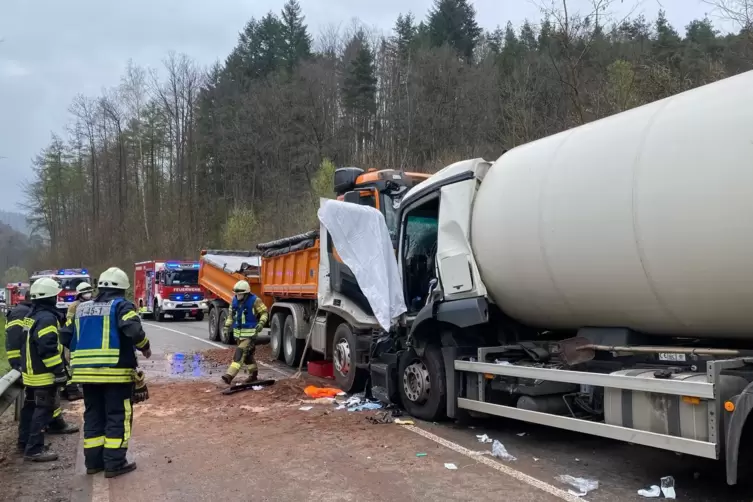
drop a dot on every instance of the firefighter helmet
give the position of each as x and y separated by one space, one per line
84 287
45 288
241 288
114 278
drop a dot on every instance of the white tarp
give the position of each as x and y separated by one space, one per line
362 240
231 263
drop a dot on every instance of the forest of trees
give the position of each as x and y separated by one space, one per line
174 160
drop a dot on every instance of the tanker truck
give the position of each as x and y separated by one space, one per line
599 280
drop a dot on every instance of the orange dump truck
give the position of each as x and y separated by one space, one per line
219 270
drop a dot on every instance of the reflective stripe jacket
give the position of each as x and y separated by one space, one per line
248 318
70 315
105 334
41 353
14 333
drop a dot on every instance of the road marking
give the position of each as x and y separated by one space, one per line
278 370
525 478
186 334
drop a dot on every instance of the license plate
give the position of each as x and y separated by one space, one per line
663 356
186 305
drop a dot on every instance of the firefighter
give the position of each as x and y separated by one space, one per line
247 317
14 330
43 373
107 332
84 293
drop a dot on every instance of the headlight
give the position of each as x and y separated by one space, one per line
169 305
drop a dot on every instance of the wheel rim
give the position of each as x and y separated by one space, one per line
274 343
342 357
213 325
416 382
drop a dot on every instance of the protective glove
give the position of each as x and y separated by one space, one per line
61 378
140 392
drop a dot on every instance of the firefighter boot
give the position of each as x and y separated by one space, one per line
72 393
65 428
254 376
42 456
124 469
227 378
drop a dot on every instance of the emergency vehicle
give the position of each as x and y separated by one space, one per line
68 278
172 288
14 294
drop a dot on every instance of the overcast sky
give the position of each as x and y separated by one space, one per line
52 50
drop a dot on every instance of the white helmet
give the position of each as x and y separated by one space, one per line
84 287
241 288
45 288
114 278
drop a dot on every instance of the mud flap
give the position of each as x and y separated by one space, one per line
247 386
735 425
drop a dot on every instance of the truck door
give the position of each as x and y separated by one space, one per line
149 289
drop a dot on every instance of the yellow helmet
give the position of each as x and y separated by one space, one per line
241 288
114 278
45 288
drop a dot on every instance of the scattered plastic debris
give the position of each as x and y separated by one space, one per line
583 485
400 421
668 487
353 401
306 408
521 434
421 454
314 391
383 417
257 387
366 406
651 493
483 438
502 363
341 407
451 466
208 390
536 459
499 451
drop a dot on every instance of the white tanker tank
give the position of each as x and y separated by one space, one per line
641 220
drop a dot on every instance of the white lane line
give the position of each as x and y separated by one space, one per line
525 478
213 344
278 370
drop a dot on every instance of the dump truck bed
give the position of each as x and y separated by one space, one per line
290 266
219 270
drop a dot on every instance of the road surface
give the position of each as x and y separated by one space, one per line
192 443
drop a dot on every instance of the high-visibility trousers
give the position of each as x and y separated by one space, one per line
108 421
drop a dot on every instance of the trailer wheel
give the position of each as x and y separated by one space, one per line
200 316
227 339
422 383
292 347
275 334
159 316
347 375
214 325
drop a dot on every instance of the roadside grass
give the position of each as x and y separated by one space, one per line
4 366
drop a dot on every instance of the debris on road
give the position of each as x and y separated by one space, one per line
421 454
583 485
451 466
483 438
305 408
317 392
400 421
651 493
521 434
499 451
668 487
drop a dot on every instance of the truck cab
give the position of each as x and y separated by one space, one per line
171 288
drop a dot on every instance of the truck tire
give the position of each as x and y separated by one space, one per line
200 316
159 316
422 384
275 334
214 324
292 347
227 339
348 376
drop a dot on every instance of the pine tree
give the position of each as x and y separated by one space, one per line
453 22
359 90
295 36
405 35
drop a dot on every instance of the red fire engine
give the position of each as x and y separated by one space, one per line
68 278
168 288
14 293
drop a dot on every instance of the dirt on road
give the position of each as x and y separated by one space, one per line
193 443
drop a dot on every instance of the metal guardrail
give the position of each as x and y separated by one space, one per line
11 391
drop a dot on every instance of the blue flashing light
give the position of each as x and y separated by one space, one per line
197 297
84 271
179 298
172 265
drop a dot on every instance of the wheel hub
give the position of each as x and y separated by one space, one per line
416 382
342 357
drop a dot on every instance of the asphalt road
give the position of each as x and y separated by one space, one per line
542 453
